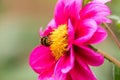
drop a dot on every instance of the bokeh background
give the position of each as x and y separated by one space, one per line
20 21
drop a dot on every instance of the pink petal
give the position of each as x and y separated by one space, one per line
101 19
41 32
81 71
101 1
60 18
85 31
96 11
89 56
68 76
72 9
67 9
52 25
64 65
45 78
98 36
42 61
70 34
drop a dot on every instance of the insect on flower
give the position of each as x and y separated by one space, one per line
45 40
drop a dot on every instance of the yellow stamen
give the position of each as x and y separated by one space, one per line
59 39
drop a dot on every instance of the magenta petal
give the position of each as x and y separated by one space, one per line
60 18
50 27
85 31
70 34
101 1
66 9
96 11
41 32
98 36
68 76
100 19
72 9
81 71
42 61
45 78
64 65
89 56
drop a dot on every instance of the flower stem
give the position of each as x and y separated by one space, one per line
110 58
106 56
113 35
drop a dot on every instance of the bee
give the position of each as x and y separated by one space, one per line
45 41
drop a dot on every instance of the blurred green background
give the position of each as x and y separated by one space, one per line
20 21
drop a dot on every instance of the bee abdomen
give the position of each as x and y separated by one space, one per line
45 41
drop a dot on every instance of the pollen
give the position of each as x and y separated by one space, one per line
59 39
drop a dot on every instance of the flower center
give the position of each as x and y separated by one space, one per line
59 39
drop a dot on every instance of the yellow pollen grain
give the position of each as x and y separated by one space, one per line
59 39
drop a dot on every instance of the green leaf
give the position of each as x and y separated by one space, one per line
118 25
114 17
116 73
86 1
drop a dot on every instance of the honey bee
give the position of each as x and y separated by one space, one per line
45 41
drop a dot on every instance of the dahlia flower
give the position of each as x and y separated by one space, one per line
64 52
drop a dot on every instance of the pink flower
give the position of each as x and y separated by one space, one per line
64 53
101 1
